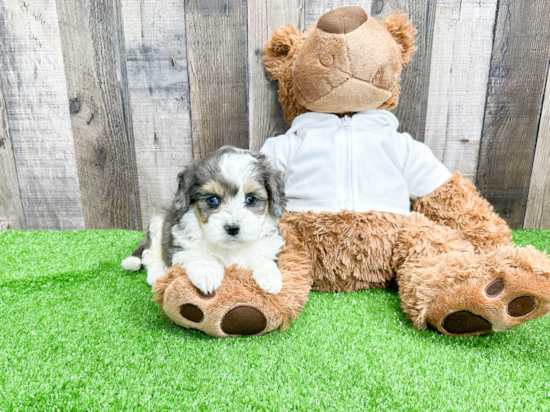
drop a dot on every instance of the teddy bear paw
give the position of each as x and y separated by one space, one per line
239 320
495 303
237 307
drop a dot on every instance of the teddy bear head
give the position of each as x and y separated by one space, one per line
345 63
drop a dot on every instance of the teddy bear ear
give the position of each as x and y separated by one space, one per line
278 48
403 33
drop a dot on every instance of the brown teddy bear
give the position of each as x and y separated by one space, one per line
350 177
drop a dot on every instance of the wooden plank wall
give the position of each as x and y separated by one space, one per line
11 209
103 140
35 95
517 79
102 102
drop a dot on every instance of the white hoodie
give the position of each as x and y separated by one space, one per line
358 163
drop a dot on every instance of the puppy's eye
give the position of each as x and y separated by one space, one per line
213 201
250 200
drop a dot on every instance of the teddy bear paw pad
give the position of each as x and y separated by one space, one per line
465 322
521 306
192 313
494 288
243 320
211 295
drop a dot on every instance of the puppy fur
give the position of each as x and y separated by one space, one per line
225 211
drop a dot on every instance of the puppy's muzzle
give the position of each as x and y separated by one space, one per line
232 229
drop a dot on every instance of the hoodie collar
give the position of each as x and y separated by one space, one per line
373 117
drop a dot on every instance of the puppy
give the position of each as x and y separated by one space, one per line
225 211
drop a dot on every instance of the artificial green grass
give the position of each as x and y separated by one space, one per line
77 332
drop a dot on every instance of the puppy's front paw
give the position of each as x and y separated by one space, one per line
268 277
205 275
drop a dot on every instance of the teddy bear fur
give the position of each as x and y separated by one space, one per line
453 260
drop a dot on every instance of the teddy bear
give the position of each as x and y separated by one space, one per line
368 205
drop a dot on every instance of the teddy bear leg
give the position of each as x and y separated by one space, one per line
457 204
461 293
349 251
239 306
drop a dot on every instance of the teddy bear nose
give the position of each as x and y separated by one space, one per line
343 20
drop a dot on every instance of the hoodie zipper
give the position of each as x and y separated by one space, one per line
346 125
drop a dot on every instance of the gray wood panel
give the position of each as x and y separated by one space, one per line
218 73
103 145
411 110
461 53
158 84
537 215
31 66
517 78
265 112
11 209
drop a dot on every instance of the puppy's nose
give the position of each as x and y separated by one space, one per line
232 229
343 20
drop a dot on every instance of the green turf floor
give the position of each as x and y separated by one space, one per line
79 333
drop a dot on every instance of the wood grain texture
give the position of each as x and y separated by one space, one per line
537 215
461 55
411 110
158 84
104 148
31 66
217 63
265 112
11 209
316 8
519 66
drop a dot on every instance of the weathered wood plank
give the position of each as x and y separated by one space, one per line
159 93
316 8
514 98
11 209
537 215
217 64
265 112
411 110
31 65
103 145
461 54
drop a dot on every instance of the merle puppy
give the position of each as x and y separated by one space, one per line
226 211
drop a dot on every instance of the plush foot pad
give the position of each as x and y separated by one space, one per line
518 292
243 320
462 322
237 307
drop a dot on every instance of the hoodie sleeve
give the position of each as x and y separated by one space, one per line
276 149
423 172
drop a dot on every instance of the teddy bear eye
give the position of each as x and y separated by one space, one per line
327 60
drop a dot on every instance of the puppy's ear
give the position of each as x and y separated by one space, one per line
186 182
403 33
278 48
274 185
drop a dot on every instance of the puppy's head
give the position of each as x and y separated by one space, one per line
232 192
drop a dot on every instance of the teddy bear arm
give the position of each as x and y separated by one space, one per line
457 204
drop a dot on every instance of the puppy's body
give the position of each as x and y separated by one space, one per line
225 212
